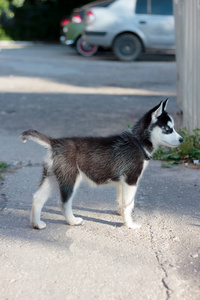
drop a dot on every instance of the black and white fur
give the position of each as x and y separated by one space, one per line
119 159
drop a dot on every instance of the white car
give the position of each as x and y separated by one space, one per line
130 27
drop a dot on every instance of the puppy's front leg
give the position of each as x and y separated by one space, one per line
119 199
128 192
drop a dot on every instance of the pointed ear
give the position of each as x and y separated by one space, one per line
165 104
157 113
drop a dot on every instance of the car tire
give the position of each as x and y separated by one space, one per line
127 47
85 49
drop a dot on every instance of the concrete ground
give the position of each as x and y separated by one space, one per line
51 89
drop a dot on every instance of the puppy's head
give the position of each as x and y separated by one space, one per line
162 130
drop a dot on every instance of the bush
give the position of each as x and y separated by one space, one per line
34 23
34 20
3 35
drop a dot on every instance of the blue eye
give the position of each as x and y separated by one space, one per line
167 129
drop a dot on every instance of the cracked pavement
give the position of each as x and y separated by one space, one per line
51 89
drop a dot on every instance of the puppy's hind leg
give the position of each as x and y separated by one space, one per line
67 192
40 197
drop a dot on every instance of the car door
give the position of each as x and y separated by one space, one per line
156 22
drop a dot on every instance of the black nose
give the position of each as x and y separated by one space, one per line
181 139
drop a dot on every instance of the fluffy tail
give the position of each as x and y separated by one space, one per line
37 137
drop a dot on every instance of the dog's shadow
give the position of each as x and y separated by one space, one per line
90 219
197 219
97 211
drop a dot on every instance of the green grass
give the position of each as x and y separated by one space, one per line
188 151
3 166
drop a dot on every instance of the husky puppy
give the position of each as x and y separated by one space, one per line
119 159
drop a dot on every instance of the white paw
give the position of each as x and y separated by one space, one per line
133 225
38 225
76 221
119 211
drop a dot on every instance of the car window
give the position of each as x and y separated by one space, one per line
154 7
141 7
163 7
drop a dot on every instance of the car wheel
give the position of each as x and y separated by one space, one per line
85 49
127 47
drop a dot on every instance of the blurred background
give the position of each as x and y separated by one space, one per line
127 27
33 19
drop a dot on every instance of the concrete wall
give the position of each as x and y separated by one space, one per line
187 30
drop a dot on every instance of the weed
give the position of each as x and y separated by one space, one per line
188 150
3 166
